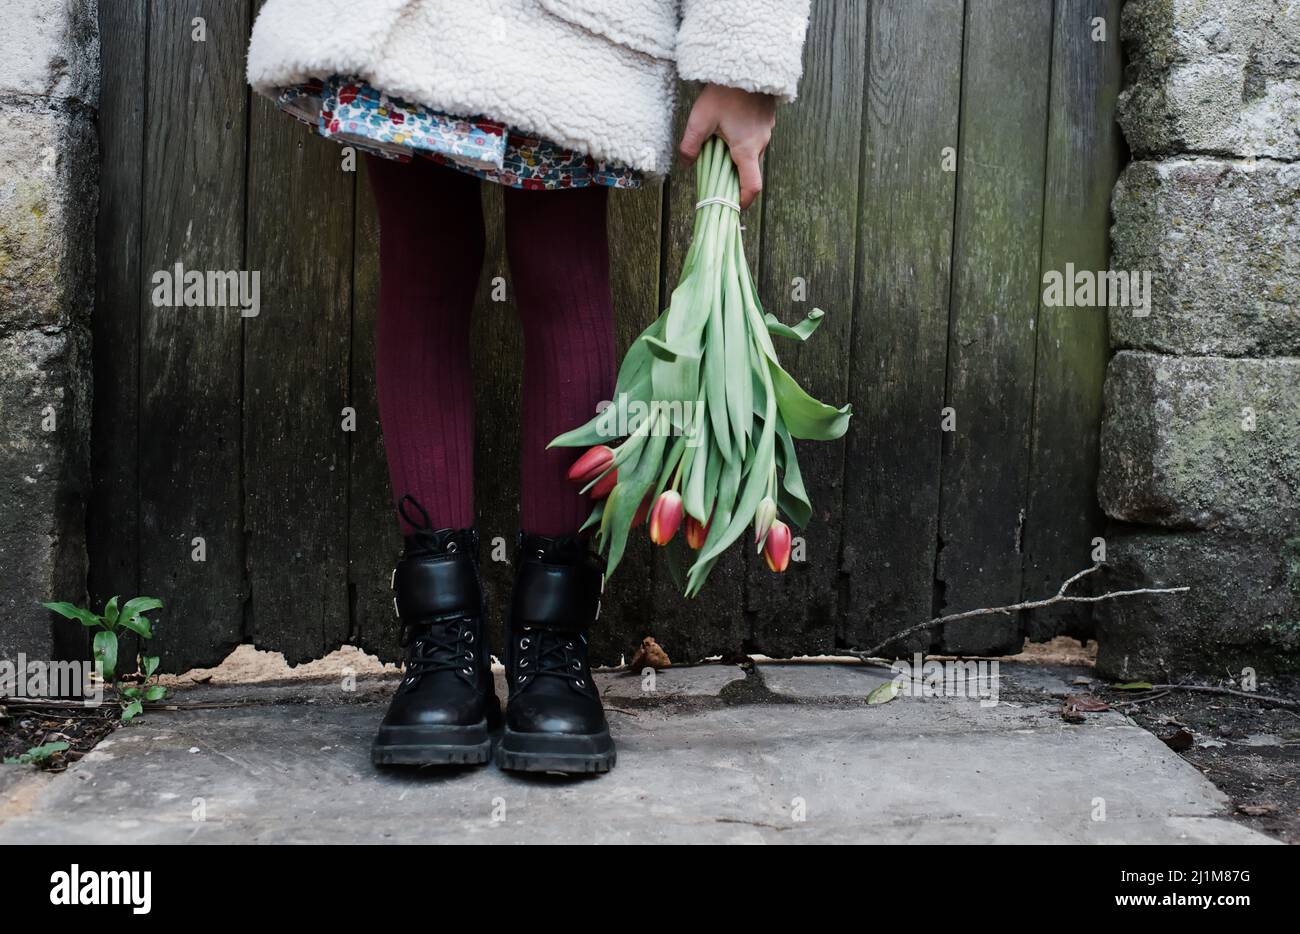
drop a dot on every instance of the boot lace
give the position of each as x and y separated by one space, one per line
552 654
439 645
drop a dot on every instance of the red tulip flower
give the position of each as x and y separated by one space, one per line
591 465
665 517
777 547
697 532
604 485
641 512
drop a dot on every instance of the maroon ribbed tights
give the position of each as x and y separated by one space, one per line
431 253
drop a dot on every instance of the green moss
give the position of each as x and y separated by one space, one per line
1291 564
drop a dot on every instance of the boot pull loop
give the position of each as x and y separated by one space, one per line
425 525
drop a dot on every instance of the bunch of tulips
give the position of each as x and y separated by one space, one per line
706 415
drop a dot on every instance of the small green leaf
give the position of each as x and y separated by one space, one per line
39 754
110 611
155 692
150 665
138 625
67 610
884 693
141 605
132 710
64 609
106 652
130 617
1133 686
131 692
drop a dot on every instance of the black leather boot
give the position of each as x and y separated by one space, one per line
445 705
554 720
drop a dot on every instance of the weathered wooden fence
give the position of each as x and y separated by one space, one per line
941 156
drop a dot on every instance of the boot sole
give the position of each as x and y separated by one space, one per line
432 745
571 753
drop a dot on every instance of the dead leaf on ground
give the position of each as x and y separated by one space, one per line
884 693
1256 810
1087 703
1180 741
1072 714
650 655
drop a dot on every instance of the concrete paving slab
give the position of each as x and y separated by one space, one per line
849 680
933 770
1055 680
815 680
692 681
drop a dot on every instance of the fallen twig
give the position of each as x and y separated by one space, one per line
1059 597
1143 700
1233 692
24 703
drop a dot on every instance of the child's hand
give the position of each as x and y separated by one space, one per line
744 121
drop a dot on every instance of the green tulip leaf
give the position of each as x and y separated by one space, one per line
799 332
792 498
594 518
804 416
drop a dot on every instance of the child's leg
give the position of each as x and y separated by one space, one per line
431 250
559 261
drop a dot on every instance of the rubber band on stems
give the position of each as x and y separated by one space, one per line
725 202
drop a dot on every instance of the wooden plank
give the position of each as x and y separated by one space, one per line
714 622
809 225
296 385
498 362
374 542
112 513
1083 159
627 610
992 317
189 359
900 320
634 250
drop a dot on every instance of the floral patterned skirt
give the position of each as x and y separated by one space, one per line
353 113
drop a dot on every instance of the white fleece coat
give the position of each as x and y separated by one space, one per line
595 76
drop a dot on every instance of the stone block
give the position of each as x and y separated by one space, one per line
1206 443
1221 240
48 201
44 463
1243 610
1213 77
50 49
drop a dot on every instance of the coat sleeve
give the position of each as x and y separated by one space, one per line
756 45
